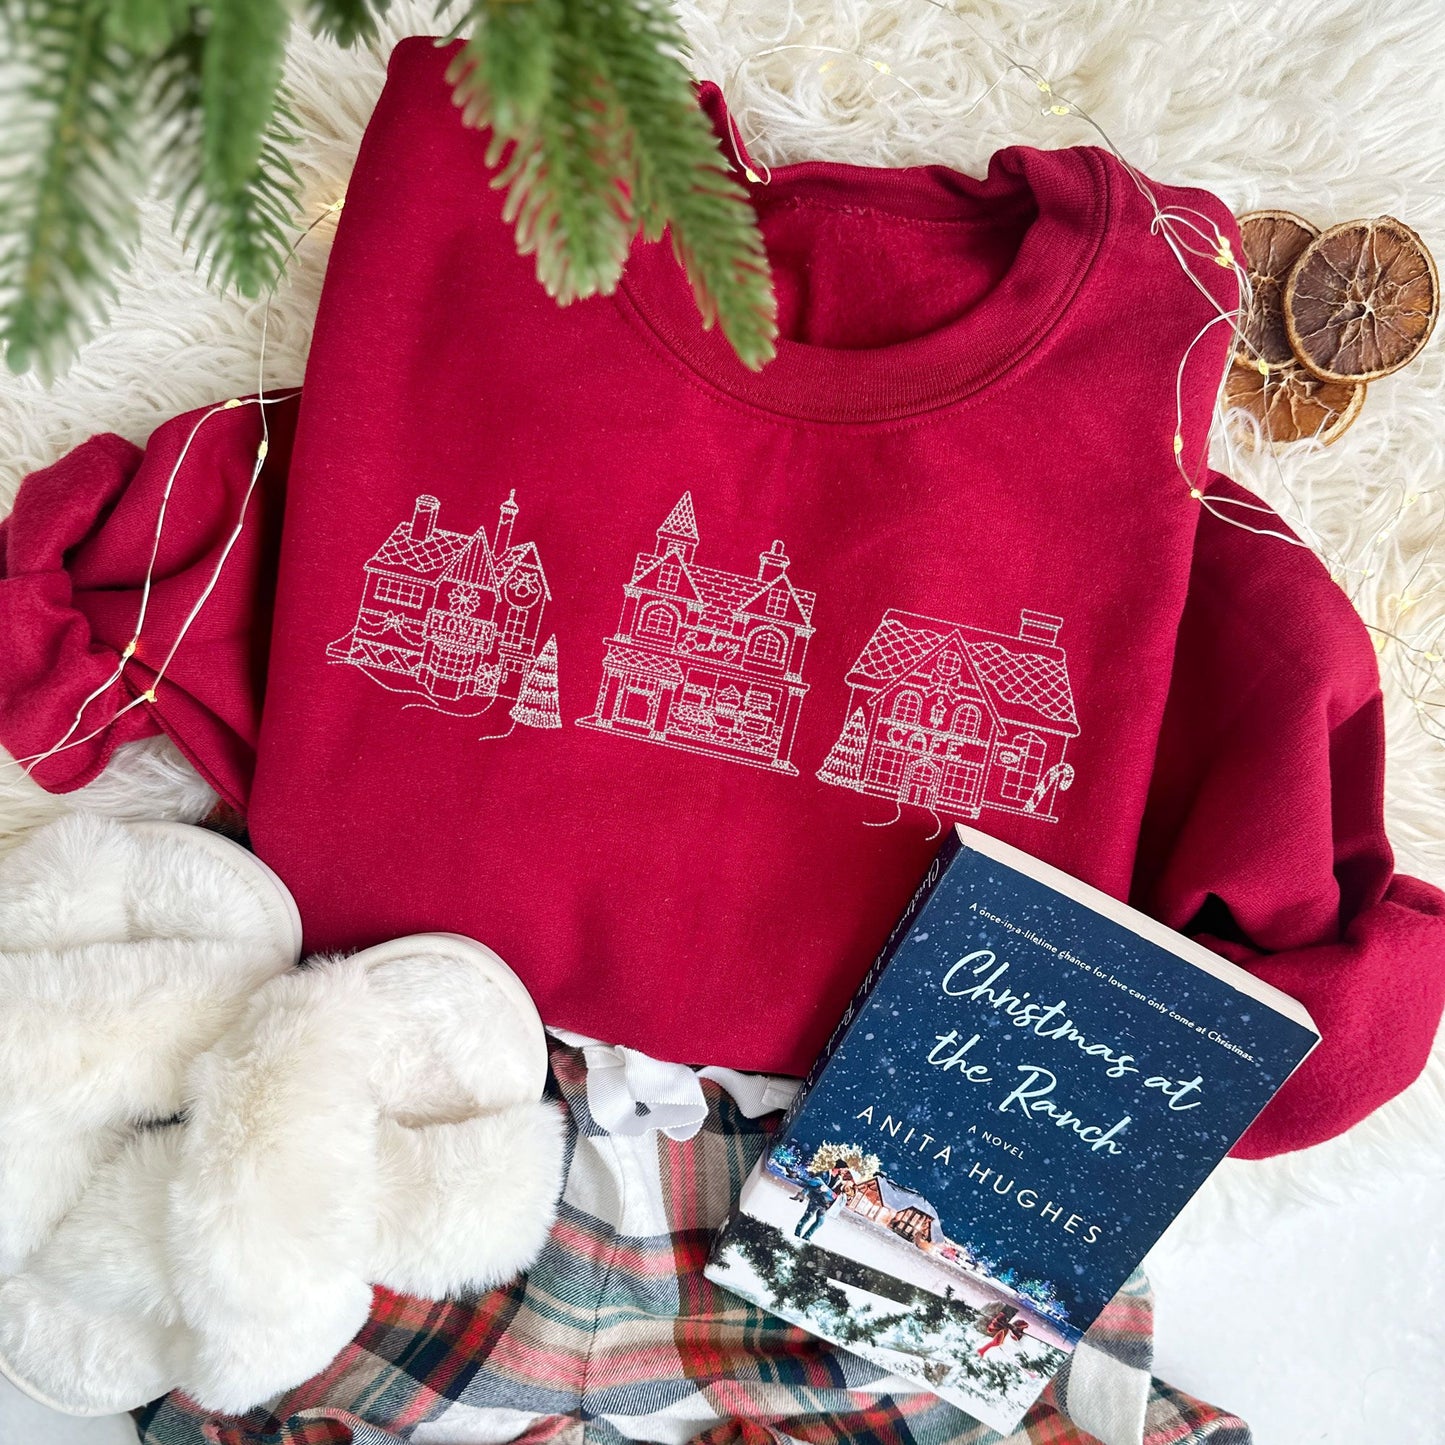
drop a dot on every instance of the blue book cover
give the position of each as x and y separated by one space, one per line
1031 1082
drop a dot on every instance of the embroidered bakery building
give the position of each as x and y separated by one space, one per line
456 616
707 660
957 719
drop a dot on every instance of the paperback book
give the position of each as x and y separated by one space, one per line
1030 1083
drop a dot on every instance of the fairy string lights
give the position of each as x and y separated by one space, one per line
1197 244
113 682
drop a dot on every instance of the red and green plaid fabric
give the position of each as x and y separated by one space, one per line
615 1335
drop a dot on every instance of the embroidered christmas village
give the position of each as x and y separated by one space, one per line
944 716
706 660
456 618
957 719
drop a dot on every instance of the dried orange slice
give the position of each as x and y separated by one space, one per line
1273 242
1362 300
1292 405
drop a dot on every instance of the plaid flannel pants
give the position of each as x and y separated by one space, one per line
614 1335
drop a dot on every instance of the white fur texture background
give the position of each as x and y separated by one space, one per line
1327 107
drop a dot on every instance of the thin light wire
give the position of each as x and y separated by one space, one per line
262 402
1190 233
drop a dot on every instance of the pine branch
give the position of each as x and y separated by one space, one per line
347 21
245 42
527 72
147 26
68 180
592 117
594 111
242 231
681 179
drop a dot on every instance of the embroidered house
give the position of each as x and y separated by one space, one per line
454 616
957 719
706 660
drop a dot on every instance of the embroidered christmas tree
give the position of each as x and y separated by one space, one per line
844 764
536 705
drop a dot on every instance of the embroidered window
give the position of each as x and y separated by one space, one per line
516 627
960 785
454 663
658 620
907 707
885 767
967 720
669 575
1023 761
404 594
767 645
777 603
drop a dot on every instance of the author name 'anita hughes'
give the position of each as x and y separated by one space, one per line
980 1174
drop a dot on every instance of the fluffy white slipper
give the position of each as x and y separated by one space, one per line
471 1159
125 949
413 1151
273 1206
91 1326
368 1119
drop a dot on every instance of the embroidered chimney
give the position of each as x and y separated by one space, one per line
424 518
1039 627
772 563
505 518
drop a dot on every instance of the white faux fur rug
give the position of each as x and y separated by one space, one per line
1330 108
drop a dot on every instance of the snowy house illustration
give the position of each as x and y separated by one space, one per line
905 1211
456 617
957 719
707 660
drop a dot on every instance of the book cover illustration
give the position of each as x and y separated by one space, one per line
1031 1083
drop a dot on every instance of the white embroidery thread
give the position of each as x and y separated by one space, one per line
455 619
955 719
705 660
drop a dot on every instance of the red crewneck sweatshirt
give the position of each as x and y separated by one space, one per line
661 676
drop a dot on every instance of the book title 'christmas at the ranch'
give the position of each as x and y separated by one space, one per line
1031 1082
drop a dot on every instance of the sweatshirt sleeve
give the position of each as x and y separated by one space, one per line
74 556
1264 836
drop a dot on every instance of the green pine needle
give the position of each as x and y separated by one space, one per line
593 110
245 43
68 180
682 179
526 69
347 21
147 26
240 232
